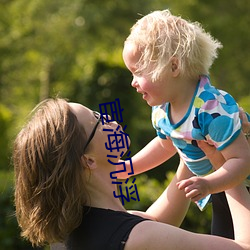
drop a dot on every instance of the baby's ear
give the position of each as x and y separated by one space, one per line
89 161
175 66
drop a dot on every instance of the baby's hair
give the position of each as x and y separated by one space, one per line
161 36
49 186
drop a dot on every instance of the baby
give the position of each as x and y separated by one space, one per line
170 59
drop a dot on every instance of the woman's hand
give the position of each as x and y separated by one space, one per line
245 124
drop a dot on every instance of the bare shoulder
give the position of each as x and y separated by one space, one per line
149 235
155 235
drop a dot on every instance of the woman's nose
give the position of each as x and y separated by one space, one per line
112 119
107 118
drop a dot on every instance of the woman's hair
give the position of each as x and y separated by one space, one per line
160 36
49 181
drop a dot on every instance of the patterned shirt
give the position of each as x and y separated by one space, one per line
213 115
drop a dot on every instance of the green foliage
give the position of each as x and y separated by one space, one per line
245 103
230 71
149 189
73 48
5 123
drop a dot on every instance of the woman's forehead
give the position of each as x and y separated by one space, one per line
84 115
78 108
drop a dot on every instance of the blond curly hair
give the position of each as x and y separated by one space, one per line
160 36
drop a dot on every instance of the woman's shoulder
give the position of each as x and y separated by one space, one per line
156 235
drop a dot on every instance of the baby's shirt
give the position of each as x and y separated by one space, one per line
213 115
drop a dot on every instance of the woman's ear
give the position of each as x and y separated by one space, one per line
89 161
175 66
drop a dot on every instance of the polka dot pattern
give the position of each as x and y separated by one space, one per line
212 116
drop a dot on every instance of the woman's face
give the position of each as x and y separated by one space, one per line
91 123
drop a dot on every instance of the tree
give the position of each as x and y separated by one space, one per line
72 48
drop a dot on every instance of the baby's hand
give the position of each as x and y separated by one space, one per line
195 187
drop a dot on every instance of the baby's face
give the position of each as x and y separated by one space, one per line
154 93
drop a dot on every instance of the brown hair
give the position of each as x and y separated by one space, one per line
49 181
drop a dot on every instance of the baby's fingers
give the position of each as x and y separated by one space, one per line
194 195
184 183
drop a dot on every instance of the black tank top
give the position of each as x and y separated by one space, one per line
102 229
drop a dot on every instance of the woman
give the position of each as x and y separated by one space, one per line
63 190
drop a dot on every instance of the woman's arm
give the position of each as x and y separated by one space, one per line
171 207
160 236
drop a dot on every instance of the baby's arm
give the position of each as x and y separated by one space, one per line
152 155
234 171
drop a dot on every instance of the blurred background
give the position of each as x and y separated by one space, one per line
72 48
